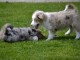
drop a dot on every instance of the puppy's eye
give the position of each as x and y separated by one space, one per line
36 20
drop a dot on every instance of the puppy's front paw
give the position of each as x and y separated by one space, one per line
77 38
35 38
48 39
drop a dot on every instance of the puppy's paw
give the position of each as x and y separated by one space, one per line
35 38
77 38
66 33
48 39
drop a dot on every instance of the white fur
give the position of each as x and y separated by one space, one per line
66 8
77 35
68 32
33 23
51 35
35 38
46 23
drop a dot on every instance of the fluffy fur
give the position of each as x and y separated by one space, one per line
10 34
54 21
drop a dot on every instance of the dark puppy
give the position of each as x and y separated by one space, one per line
10 34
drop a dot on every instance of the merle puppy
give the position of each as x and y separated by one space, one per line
10 34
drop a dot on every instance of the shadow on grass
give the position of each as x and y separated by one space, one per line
65 38
68 38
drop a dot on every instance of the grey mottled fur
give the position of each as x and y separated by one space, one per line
10 34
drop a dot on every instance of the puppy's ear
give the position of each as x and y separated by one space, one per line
40 16
8 32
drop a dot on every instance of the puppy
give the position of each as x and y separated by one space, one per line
10 34
54 21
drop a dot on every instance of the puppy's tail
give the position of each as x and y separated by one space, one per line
3 30
69 7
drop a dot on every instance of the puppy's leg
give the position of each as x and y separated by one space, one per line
51 35
35 38
77 35
69 31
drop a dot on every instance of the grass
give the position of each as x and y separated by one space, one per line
19 14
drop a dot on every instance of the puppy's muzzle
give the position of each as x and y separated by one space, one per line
36 26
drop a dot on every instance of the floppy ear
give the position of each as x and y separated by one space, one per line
40 16
8 31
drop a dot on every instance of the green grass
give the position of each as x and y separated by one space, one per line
19 14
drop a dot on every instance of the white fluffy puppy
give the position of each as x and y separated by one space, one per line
54 21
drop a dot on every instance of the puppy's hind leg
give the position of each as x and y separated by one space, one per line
69 31
77 35
50 36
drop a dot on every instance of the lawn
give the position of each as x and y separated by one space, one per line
19 14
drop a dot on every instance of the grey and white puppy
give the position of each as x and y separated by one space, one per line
54 21
10 34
